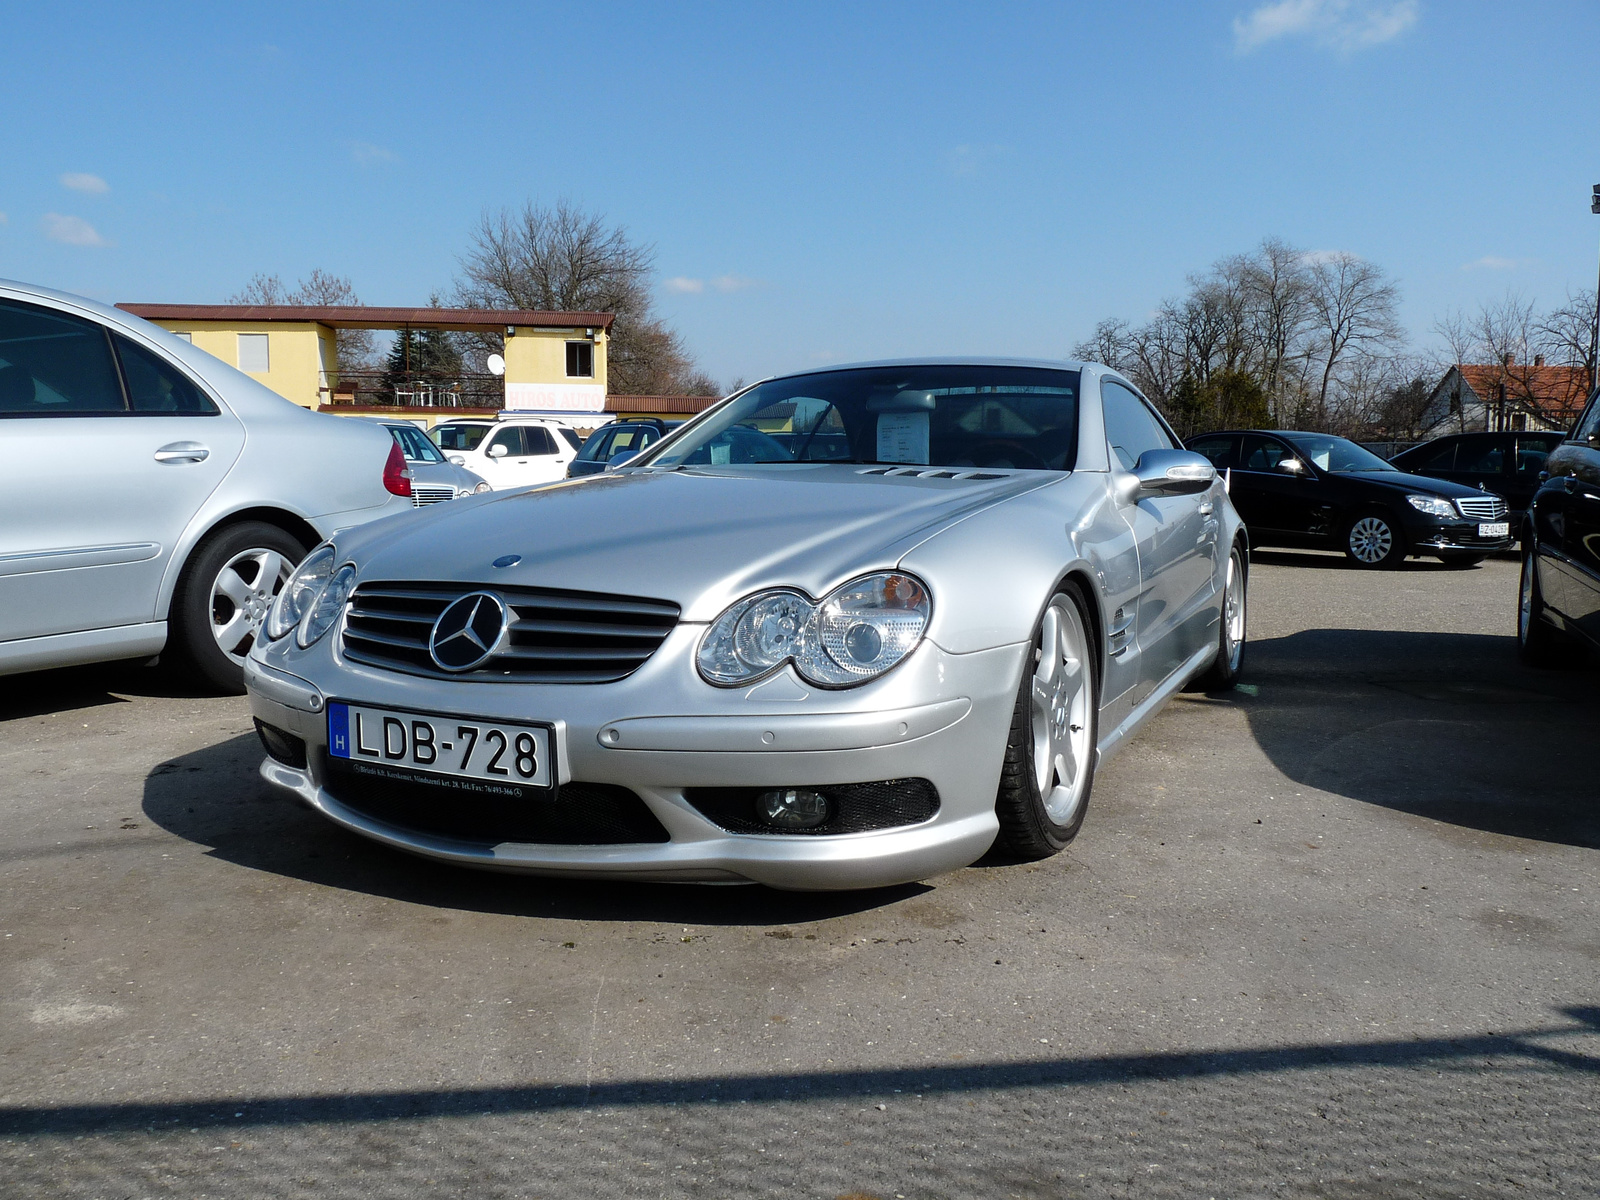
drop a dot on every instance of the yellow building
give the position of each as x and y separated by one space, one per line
555 362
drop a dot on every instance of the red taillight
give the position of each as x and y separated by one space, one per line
395 476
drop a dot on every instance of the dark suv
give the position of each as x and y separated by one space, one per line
1317 490
626 435
1507 464
1559 602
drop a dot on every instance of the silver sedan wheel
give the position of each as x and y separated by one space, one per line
1061 696
1233 612
1371 539
241 595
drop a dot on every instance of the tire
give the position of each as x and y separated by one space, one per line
1539 643
1223 674
1056 719
222 599
1374 540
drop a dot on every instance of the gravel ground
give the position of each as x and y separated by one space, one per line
1331 936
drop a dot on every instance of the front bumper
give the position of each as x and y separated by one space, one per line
1458 537
938 716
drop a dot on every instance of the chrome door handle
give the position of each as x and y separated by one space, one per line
181 452
1207 509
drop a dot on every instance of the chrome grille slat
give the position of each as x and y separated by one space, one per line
426 493
555 636
1482 508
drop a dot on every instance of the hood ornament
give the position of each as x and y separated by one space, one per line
468 632
507 560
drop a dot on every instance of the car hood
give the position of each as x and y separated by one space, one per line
1419 484
702 537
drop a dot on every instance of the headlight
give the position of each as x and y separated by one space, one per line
484 486
326 608
301 592
854 634
1432 505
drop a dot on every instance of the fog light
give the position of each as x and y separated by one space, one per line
792 808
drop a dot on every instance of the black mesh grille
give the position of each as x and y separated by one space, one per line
556 636
578 814
852 807
283 746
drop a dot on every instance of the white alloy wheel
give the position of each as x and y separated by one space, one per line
1371 540
241 595
1061 694
1233 601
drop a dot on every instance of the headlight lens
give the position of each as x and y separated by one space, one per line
854 634
1432 505
301 592
326 608
482 487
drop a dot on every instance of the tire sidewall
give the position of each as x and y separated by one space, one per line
1397 547
189 635
1059 835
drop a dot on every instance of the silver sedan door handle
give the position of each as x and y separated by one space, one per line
1207 509
181 452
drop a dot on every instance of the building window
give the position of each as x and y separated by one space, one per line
185 337
253 353
580 360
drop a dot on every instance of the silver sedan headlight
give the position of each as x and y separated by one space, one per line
328 606
852 635
301 592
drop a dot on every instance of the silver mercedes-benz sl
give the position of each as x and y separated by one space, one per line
847 628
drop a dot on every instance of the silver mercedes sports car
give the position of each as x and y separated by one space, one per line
847 628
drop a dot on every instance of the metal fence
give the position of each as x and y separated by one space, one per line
417 390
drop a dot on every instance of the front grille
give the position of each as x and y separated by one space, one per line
852 807
581 814
556 636
430 493
1482 508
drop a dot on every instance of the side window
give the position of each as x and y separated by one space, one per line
598 448
1262 454
1218 449
538 439
155 386
1131 428
1442 458
1588 424
1485 457
1532 451
580 359
52 364
511 439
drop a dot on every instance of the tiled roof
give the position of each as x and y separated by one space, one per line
659 404
1556 392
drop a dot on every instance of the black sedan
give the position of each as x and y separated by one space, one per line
1316 490
1507 464
1559 603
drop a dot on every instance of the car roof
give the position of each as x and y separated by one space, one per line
1052 364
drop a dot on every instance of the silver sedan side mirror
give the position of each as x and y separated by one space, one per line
1172 473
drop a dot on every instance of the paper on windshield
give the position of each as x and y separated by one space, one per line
903 437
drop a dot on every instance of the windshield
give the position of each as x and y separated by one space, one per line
460 437
935 415
1337 454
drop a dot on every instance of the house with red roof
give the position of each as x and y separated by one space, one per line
1507 395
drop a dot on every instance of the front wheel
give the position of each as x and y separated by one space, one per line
1050 752
1223 674
1538 642
223 598
1374 540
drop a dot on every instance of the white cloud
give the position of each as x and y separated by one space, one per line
684 285
71 231
1342 25
732 283
1315 258
366 154
687 286
81 182
1494 262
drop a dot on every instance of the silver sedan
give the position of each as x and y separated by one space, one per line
847 628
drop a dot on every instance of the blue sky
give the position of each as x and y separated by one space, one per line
821 182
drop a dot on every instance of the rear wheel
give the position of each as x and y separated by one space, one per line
223 598
1374 539
1540 644
1223 674
1050 753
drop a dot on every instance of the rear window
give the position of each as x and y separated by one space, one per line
460 437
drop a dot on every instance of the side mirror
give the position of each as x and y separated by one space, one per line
1291 466
621 459
1172 473
499 450
458 460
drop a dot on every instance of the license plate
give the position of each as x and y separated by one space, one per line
1495 529
458 747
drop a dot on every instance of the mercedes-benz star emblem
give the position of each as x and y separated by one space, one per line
468 631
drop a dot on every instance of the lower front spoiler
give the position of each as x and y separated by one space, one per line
790 862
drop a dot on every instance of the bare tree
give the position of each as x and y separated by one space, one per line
320 288
1566 335
1353 314
565 259
1108 344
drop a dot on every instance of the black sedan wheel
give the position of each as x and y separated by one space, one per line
1374 539
1540 644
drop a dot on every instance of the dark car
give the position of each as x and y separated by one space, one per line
1560 598
1317 490
1507 464
629 435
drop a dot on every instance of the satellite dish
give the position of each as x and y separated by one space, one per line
496 365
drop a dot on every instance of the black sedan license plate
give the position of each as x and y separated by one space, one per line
1494 529
458 747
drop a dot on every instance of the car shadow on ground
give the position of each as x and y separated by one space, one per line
214 797
1447 726
1332 560
68 688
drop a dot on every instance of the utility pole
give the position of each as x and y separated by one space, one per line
1594 334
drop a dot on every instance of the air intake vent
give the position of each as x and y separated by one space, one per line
555 636
934 473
